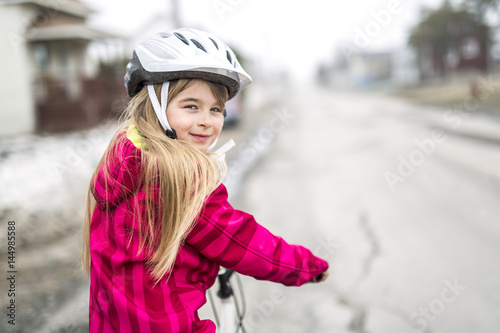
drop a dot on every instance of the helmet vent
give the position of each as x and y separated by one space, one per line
198 45
217 46
181 37
229 57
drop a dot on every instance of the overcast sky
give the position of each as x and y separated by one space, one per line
294 35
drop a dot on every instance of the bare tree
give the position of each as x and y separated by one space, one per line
444 31
482 8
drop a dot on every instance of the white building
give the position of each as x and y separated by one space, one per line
44 54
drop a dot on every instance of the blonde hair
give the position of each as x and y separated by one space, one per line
183 175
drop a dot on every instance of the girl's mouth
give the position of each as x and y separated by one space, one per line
201 137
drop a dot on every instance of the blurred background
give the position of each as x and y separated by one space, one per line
370 134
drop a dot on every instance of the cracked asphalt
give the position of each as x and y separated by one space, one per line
413 255
411 238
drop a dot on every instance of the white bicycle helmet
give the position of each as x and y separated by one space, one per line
182 54
188 54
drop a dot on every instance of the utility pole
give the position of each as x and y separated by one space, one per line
176 20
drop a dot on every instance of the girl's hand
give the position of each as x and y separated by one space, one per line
320 278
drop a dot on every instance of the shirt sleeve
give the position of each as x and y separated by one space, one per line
233 239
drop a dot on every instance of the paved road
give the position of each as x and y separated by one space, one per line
401 200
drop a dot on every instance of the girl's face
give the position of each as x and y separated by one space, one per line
195 115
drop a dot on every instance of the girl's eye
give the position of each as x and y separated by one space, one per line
192 107
216 110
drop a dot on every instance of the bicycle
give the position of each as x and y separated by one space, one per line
231 319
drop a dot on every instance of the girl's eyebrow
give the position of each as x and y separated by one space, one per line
196 100
190 99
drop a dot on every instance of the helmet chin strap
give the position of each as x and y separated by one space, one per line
161 108
161 111
213 144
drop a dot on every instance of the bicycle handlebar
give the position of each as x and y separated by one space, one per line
225 290
317 278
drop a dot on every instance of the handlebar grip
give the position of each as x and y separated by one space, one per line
225 290
318 278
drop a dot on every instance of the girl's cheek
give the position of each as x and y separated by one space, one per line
219 125
219 120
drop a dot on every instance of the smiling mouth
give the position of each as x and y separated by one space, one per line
201 137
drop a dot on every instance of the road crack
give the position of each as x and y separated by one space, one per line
358 320
374 243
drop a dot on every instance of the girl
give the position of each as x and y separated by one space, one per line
158 223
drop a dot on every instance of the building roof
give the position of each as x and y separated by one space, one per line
72 7
69 31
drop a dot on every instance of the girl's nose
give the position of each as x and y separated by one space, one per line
205 119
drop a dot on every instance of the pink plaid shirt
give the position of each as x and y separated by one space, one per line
123 297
